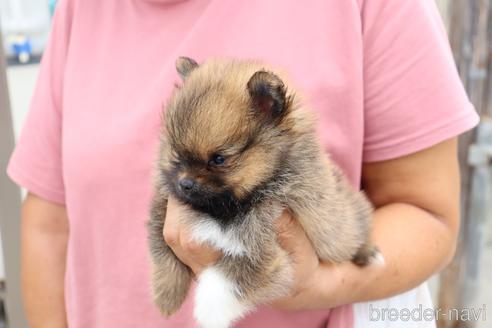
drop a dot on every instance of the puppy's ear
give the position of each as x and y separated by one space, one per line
268 94
185 66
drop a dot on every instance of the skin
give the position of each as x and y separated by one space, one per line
44 235
416 223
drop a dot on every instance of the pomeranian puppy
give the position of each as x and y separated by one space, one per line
237 148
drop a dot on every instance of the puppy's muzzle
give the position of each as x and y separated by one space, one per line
187 185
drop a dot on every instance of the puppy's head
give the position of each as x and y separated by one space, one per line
227 130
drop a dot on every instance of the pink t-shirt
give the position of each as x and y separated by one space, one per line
379 73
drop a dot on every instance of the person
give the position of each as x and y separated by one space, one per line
380 76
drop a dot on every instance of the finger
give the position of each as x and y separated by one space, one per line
198 263
172 226
173 230
172 212
178 236
289 231
184 257
284 222
196 255
182 250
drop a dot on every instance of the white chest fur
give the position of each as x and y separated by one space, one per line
209 231
216 298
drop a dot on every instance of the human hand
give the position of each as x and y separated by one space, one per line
177 235
316 285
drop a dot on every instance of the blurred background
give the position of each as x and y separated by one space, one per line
466 283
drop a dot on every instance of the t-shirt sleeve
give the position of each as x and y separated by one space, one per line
413 95
36 163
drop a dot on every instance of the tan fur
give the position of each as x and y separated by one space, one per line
226 118
170 278
214 112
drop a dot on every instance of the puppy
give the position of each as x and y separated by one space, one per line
237 148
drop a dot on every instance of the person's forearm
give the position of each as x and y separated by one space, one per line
44 244
415 244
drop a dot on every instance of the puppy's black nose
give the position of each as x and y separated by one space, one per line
186 184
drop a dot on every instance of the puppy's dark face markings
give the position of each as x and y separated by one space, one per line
202 181
225 132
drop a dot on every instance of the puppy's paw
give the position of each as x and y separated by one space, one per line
170 286
216 303
368 255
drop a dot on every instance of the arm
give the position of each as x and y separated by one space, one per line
44 235
417 218
415 225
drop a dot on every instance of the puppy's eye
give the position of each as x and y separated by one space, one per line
217 160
